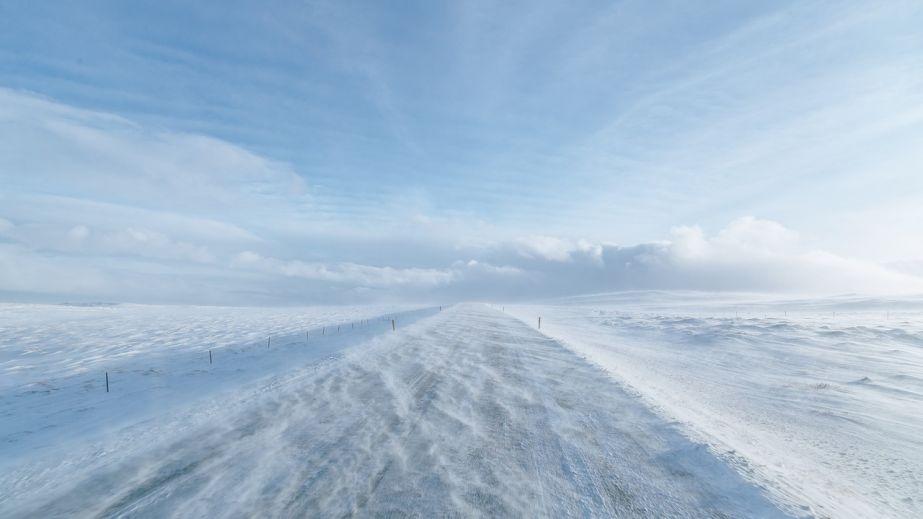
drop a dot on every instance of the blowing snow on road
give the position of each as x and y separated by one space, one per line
466 413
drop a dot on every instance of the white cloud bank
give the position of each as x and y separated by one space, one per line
345 273
93 206
748 255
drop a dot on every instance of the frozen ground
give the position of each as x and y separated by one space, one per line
464 412
41 342
54 359
818 400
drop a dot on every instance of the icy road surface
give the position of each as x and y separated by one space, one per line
465 413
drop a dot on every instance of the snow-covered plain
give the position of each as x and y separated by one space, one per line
43 342
462 412
54 360
818 400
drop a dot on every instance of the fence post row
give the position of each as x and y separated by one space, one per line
352 325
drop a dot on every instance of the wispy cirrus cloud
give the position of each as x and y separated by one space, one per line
48 146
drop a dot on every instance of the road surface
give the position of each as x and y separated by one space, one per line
468 413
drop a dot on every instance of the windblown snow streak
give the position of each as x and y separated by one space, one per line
466 413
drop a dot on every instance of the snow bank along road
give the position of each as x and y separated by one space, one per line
465 413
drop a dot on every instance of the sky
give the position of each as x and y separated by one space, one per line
326 152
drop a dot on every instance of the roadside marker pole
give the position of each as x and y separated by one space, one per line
539 322
268 341
107 382
392 325
209 356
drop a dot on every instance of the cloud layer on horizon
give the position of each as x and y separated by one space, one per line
95 206
745 256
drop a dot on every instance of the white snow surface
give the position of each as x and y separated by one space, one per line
818 400
54 359
42 342
463 412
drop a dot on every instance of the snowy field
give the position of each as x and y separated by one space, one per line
44 342
54 360
630 405
818 400
463 412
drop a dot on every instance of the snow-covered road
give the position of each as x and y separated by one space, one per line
465 413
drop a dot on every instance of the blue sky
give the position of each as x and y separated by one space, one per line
236 152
